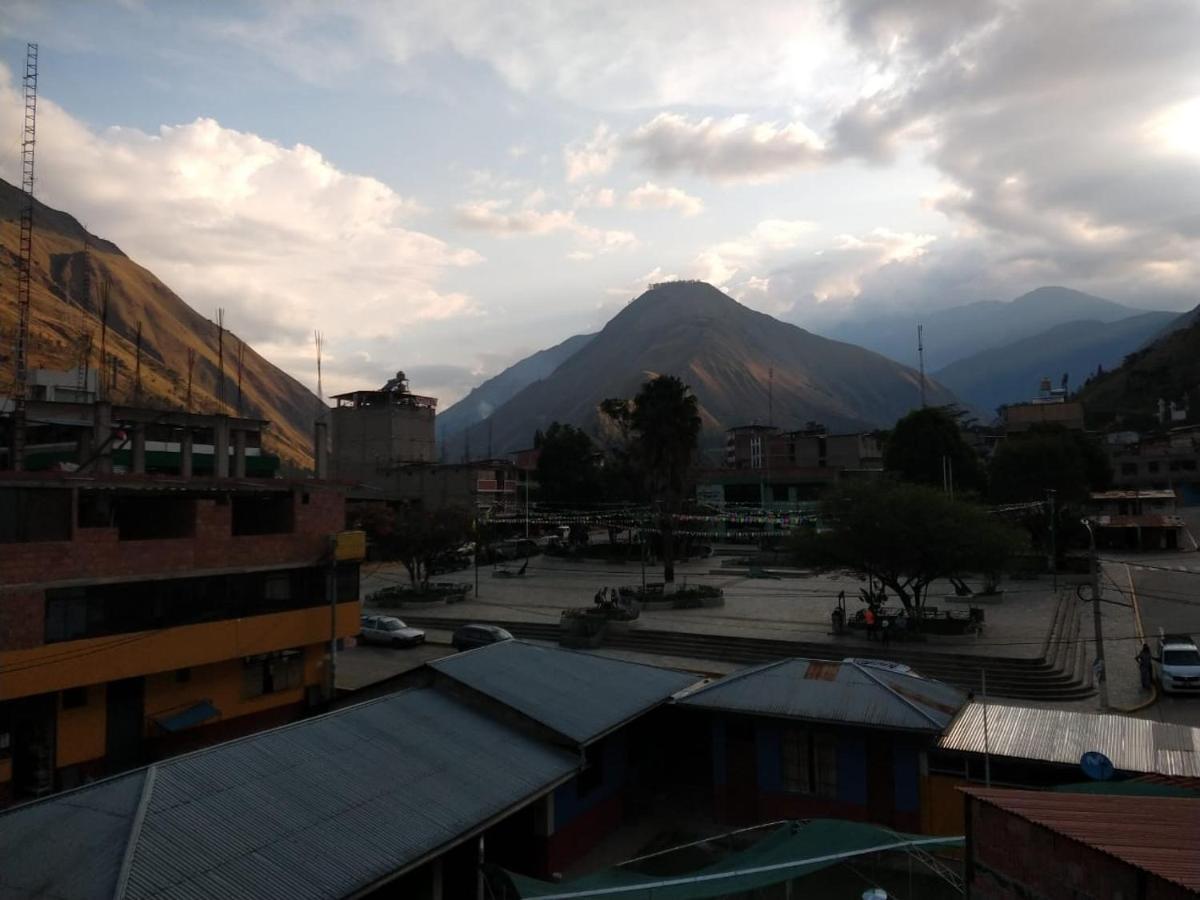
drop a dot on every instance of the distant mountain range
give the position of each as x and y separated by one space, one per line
1011 373
728 354
495 392
63 314
960 332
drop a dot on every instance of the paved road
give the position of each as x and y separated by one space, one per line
1167 590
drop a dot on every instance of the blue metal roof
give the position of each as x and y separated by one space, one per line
318 809
852 692
190 717
579 695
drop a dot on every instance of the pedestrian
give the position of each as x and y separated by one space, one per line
884 630
869 618
1143 659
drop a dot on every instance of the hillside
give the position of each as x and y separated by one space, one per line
1128 395
962 331
61 315
498 390
1011 373
725 351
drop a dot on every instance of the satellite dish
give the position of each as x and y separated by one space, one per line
1096 766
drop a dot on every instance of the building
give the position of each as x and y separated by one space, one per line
1168 461
763 465
512 755
1039 748
484 485
1024 844
1051 406
1137 520
142 613
804 738
376 431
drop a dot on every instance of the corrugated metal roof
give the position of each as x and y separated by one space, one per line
1158 834
853 692
578 695
318 809
1062 736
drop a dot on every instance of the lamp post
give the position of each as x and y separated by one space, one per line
1098 666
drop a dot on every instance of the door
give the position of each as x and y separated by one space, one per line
33 745
881 783
125 717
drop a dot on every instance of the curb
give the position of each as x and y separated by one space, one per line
1141 633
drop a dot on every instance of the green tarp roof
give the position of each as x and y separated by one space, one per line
790 851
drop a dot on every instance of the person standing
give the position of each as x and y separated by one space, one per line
1143 660
884 630
869 618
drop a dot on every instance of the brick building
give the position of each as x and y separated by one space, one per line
142 613
375 431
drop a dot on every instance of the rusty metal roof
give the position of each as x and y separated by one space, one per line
853 692
1063 736
1160 835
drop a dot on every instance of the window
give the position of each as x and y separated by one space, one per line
1152 468
34 514
74 698
154 518
265 513
1129 468
272 673
809 763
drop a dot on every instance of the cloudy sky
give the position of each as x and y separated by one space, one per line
446 186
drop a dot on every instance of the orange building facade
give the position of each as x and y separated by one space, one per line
144 615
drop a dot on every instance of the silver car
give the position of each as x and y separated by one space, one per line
390 631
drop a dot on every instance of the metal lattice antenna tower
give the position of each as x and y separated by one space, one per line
191 358
220 360
241 354
25 264
85 305
921 358
319 341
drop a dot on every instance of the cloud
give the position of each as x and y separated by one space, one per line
592 157
651 196
499 218
278 236
721 264
598 198
734 149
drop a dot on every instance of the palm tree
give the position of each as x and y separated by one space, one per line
666 425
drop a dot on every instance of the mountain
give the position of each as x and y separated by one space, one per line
728 354
962 331
1186 320
1011 373
62 314
1168 369
498 390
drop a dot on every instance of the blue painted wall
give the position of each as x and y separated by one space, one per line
768 742
718 750
906 762
852 769
568 805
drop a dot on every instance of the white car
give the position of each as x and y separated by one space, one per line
390 631
1178 663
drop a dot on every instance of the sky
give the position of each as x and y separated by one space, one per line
446 187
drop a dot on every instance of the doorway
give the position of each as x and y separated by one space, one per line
125 718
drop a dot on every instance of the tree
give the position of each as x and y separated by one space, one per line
414 536
664 422
906 536
567 470
926 444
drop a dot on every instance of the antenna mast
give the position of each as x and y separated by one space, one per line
241 354
25 265
921 357
770 396
319 340
85 333
220 360
191 357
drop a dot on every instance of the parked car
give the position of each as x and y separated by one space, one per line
390 631
468 637
1178 663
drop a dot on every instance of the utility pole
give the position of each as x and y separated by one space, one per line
1050 492
25 258
1098 667
331 593
921 358
987 754
220 361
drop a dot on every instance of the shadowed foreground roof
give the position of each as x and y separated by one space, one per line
318 809
1160 835
579 695
853 692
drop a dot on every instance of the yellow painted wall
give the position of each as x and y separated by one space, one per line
5 770
942 804
81 731
54 667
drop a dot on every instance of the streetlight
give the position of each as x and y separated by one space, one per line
1098 666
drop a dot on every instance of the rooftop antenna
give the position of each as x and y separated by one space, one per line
137 367
319 341
770 396
85 333
921 357
241 355
25 264
220 360
105 291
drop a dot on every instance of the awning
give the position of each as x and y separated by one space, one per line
791 851
188 718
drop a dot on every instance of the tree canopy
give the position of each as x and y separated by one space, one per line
927 440
568 470
906 536
1025 466
415 536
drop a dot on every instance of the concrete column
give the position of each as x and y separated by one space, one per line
239 453
221 447
185 453
139 449
102 437
321 450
